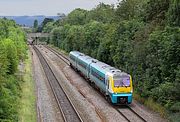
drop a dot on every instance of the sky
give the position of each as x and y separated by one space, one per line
46 7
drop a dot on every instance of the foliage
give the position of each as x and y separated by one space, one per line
76 17
48 27
12 50
174 13
43 24
174 117
35 26
130 9
11 55
102 13
156 10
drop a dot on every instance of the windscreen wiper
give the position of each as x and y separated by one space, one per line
124 84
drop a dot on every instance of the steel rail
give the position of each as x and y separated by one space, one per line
65 105
60 55
123 116
132 111
136 114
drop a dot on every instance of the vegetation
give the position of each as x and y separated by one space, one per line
35 26
43 24
12 50
27 109
141 37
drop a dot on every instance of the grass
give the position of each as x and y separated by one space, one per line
150 103
27 111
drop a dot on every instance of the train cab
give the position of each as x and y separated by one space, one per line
120 87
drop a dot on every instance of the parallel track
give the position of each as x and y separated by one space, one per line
65 105
62 57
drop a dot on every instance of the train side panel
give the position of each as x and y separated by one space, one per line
72 59
82 67
73 56
98 78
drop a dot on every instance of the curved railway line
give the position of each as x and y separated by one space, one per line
65 105
122 110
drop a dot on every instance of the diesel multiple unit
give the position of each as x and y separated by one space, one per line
114 83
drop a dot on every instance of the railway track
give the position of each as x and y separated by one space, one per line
60 55
132 116
65 105
129 114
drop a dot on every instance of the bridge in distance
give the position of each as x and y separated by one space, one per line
36 35
33 37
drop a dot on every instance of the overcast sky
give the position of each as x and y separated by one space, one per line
46 7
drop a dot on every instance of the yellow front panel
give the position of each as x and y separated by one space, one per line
121 89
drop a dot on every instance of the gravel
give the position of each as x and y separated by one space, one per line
46 106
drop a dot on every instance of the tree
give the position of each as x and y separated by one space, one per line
11 56
156 10
174 13
48 27
43 24
76 17
3 60
35 27
130 9
93 33
102 13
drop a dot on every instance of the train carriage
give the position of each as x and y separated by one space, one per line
73 57
83 65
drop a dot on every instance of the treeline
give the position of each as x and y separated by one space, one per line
12 50
141 37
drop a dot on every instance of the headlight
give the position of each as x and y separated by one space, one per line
131 90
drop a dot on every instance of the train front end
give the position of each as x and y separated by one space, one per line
122 89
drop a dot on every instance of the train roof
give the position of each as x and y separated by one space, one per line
103 67
76 53
83 57
88 59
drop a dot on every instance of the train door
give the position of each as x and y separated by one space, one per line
107 83
88 70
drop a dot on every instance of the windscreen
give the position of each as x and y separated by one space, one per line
121 81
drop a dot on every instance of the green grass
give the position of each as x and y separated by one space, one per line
27 111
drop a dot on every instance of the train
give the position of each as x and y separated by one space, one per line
115 84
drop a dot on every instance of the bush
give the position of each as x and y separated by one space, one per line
175 107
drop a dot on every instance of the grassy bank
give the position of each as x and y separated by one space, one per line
152 105
27 111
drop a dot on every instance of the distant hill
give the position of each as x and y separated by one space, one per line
29 20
